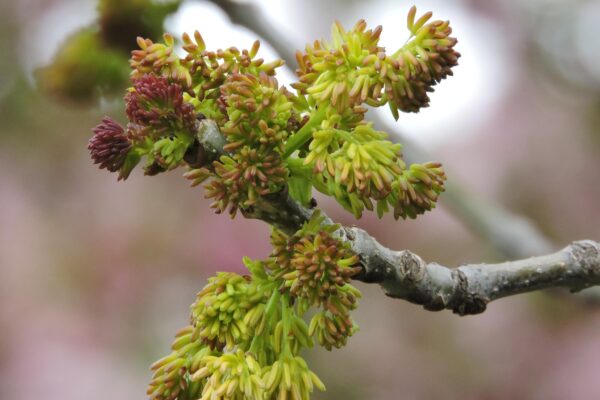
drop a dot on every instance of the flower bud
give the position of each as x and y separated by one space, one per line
159 107
109 145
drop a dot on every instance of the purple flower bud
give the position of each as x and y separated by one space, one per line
155 103
109 145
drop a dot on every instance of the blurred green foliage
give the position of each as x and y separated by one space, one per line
92 63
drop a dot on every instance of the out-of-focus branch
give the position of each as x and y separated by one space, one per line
404 275
248 15
511 235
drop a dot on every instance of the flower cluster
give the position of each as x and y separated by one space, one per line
242 179
360 166
173 373
356 165
353 69
343 73
253 102
313 264
162 127
158 107
246 332
316 269
110 145
258 113
331 329
426 59
219 311
290 378
159 59
416 190
315 138
210 69
239 92
235 376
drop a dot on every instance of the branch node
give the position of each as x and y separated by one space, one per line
466 301
410 266
586 256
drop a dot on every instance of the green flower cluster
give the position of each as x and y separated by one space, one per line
290 378
241 180
169 95
159 59
340 154
316 269
277 140
313 264
255 102
234 376
426 59
219 311
246 332
172 379
258 112
353 68
360 166
344 72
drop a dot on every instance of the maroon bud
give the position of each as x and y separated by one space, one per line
109 145
155 102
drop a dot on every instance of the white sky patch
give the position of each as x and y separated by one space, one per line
219 33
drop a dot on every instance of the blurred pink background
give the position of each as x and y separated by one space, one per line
97 275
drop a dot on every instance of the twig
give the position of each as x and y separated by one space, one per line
248 15
510 234
467 289
404 275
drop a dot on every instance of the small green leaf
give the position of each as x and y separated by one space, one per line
300 187
132 159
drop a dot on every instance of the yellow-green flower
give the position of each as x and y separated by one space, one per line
159 59
235 376
290 378
427 58
218 313
242 179
417 189
251 100
172 374
342 73
331 330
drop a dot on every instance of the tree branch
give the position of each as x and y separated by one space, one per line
467 289
511 235
404 275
